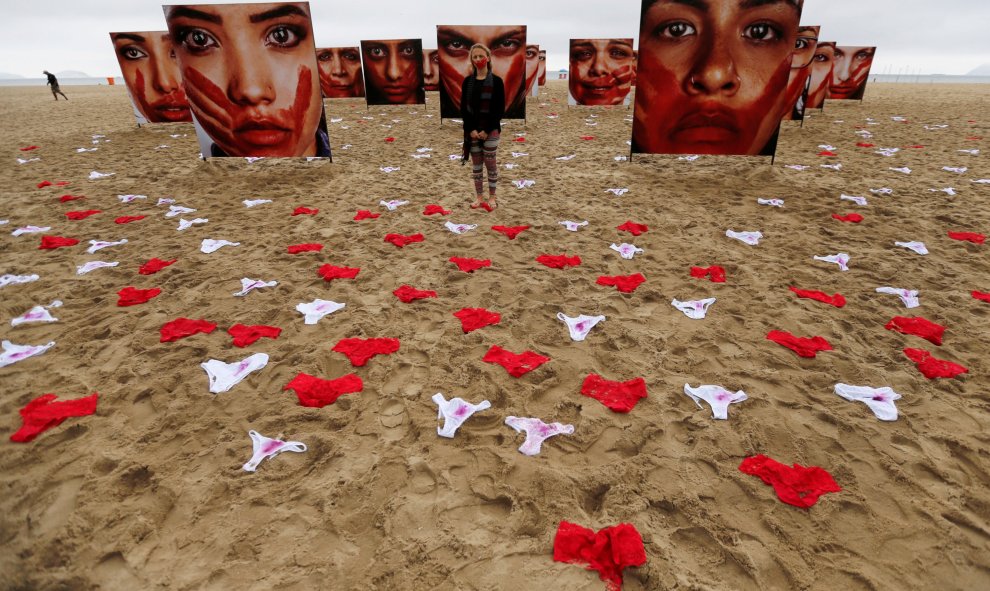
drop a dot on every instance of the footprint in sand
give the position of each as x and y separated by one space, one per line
395 419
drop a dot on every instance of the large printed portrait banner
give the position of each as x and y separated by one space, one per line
800 76
151 73
711 75
508 46
532 69
393 71
431 70
602 71
541 74
250 73
821 75
851 72
340 72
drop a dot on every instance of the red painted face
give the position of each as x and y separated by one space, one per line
392 71
340 72
431 70
508 46
821 74
804 52
712 76
541 73
602 71
151 73
532 66
249 71
852 67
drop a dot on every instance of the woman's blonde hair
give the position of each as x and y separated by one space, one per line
487 51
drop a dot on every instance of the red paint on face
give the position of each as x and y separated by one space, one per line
852 67
508 47
601 71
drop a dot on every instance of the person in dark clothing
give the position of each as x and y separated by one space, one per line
482 108
53 82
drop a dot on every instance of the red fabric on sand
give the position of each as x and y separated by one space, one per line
44 412
618 396
307 247
633 228
131 296
934 368
981 295
364 214
304 211
624 283
804 347
81 215
795 485
516 364
244 334
608 551
408 294
919 327
126 219
714 273
434 209
470 265
401 240
558 261
155 265
359 351
50 242
837 300
474 318
329 272
968 237
181 328
315 392
510 231
854 218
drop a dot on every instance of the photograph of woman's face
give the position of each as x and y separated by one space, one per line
541 74
151 73
797 82
340 72
508 45
601 71
532 66
711 75
821 74
431 70
393 71
250 73
851 70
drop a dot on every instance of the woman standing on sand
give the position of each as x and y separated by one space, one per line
482 108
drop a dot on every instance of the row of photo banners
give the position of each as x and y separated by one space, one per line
715 77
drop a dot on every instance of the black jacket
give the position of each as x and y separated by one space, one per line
486 122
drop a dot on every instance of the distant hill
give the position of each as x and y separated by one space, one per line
71 74
983 70
9 76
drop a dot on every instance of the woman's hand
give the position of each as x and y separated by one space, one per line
482 135
474 135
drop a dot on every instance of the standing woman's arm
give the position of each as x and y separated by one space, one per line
498 101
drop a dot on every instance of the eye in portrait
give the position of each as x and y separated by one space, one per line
821 75
508 46
532 68
393 71
431 70
340 72
250 73
602 71
541 74
711 75
798 81
151 73
850 72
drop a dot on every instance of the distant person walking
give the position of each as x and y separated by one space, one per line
53 81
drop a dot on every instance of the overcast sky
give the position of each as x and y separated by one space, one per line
926 36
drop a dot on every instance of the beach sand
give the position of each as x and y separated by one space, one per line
149 492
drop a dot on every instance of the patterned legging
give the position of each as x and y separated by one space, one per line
485 153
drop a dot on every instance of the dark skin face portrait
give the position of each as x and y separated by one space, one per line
804 53
508 45
821 74
601 70
393 71
250 73
851 69
340 72
712 75
431 70
151 72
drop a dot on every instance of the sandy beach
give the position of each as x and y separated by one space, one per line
149 492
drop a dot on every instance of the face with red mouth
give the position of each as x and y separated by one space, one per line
431 70
804 52
712 74
541 73
508 46
340 72
250 73
602 71
852 68
147 62
821 74
393 71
